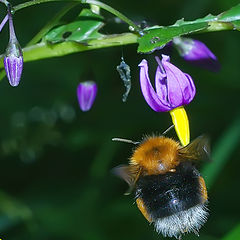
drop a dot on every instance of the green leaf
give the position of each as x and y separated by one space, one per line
236 24
12 211
222 152
231 15
158 36
234 234
83 29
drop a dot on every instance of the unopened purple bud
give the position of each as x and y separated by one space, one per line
197 53
86 93
13 61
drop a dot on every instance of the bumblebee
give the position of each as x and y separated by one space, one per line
169 190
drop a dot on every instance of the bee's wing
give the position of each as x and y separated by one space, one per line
129 174
198 149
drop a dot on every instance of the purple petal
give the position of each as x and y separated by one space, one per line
86 93
161 85
190 91
179 85
197 53
152 98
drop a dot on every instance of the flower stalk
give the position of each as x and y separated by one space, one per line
2 24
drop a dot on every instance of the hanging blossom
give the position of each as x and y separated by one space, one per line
86 93
174 89
196 52
13 60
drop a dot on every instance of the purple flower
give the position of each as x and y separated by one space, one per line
13 60
173 87
197 53
86 93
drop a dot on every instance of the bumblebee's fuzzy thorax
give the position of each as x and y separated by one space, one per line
156 155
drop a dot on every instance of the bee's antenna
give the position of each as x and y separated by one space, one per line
124 140
167 130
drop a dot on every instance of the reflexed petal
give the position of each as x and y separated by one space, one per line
86 93
151 97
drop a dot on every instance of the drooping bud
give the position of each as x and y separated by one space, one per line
13 61
197 53
86 93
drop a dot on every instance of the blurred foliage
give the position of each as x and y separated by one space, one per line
56 160
234 234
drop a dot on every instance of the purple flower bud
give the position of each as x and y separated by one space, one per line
173 87
13 61
86 93
197 53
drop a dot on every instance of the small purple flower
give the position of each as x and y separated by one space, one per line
13 61
86 93
173 87
196 52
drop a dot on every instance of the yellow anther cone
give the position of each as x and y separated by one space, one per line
181 124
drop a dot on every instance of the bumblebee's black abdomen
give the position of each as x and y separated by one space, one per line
167 194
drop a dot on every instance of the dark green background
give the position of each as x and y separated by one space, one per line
55 161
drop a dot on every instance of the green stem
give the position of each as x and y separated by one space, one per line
217 26
6 3
114 12
97 3
44 50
